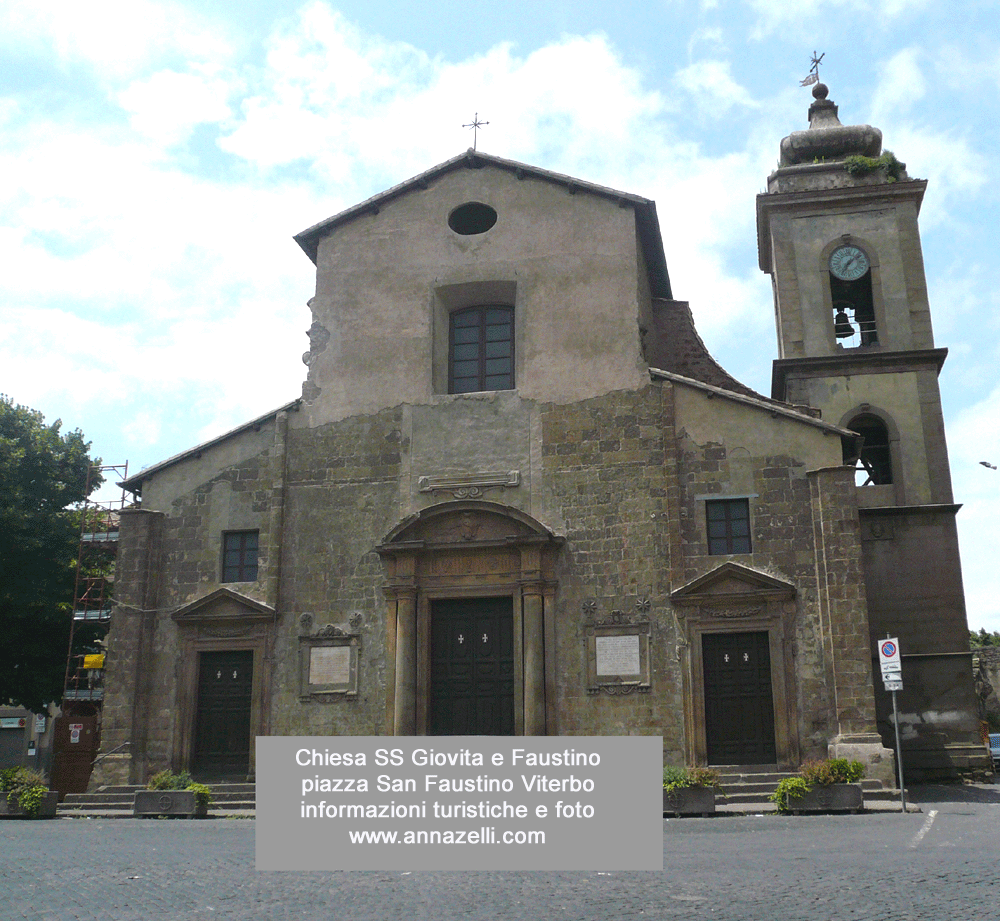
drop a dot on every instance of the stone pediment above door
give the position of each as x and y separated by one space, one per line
225 609
468 524
730 582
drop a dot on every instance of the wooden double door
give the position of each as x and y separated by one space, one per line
739 703
222 722
472 667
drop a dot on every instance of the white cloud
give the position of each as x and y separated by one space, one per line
956 172
115 38
901 84
168 106
163 287
863 14
974 436
713 88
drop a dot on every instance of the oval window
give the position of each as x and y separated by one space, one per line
471 218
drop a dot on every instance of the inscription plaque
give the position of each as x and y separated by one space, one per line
330 665
617 655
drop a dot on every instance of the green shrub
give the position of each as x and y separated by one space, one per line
833 770
789 788
168 780
677 778
861 166
24 787
816 774
202 793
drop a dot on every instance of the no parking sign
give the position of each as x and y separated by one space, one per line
892 665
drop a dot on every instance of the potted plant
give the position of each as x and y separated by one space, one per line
24 795
175 795
689 790
832 785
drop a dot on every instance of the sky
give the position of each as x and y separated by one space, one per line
158 156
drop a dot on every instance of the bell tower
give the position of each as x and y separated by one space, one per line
837 232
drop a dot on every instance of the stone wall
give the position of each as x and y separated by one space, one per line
603 469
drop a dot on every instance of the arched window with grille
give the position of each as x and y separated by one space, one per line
481 349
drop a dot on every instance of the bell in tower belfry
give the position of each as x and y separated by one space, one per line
838 234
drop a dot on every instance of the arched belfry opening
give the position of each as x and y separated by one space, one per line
854 321
470 601
873 462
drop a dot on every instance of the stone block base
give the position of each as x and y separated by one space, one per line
12 810
838 797
172 803
111 771
879 761
689 801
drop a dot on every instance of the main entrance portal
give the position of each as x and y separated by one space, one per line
472 667
222 726
739 707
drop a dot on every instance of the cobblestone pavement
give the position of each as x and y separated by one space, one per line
937 864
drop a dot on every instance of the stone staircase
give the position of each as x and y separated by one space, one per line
749 791
228 799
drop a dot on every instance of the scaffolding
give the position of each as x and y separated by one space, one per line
99 520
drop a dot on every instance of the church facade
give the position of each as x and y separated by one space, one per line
517 496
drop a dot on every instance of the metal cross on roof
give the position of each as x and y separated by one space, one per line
814 70
475 125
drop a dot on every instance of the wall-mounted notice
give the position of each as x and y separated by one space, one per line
459 803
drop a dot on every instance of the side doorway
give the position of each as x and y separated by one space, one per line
222 736
739 703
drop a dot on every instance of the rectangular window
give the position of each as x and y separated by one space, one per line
728 525
239 556
481 349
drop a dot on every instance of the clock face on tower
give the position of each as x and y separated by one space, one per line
848 263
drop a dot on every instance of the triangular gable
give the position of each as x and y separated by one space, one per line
733 580
225 605
647 222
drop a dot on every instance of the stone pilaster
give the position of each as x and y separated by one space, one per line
844 621
124 723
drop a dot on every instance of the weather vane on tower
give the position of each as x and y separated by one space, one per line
475 125
814 70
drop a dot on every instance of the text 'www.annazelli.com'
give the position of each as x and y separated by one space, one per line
484 835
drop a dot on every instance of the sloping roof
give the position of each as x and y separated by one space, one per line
772 407
673 344
134 483
647 222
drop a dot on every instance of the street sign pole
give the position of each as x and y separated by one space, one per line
899 753
892 675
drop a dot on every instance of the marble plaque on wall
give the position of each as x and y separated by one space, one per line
328 666
617 655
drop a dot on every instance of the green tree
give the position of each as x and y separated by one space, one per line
43 474
982 638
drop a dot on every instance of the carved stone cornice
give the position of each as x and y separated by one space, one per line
469 485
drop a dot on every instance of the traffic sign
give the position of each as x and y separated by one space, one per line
889 658
888 651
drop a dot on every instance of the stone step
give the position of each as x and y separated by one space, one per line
112 801
869 786
754 788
